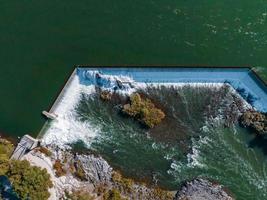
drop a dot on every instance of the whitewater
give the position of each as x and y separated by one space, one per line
68 129
221 154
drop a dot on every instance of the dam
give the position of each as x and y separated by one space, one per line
244 80
209 149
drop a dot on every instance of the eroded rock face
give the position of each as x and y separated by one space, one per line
255 120
200 189
96 168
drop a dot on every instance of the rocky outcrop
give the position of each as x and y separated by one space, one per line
255 120
93 175
200 189
97 170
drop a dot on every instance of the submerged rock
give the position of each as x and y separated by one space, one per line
201 189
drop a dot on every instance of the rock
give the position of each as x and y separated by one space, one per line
105 95
255 120
201 189
97 170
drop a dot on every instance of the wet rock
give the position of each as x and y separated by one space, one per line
201 189
255 120
105 95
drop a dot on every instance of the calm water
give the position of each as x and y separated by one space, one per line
42 40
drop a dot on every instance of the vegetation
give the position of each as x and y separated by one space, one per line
79 195
113 194
79 171
125 183
255 120
6 149
100 189
45 151
162 194
28 182
144 110
58 167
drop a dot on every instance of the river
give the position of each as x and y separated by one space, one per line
192 141
41 41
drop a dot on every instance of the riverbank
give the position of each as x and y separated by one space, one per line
90 175
101 182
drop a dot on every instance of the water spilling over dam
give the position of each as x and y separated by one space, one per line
192 141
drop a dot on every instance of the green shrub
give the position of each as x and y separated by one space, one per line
29 182
158 193
126 183
144 110
113 194
6 149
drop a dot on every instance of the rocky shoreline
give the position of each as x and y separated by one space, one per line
201 189
96 178
100 179
92 174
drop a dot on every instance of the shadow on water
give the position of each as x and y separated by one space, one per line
256 141
259 142
6 189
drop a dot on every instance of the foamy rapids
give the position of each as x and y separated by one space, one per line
67 129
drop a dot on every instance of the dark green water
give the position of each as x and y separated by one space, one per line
42 40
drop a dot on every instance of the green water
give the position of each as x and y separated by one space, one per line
41 41
193 142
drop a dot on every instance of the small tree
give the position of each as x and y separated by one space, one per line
144 110
6 149
29 182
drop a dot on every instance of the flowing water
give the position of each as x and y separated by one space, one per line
192 141
219 153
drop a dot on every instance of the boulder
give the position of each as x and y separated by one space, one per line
201 189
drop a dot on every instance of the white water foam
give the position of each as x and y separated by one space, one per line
66 129
180 84
110 82
194 158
